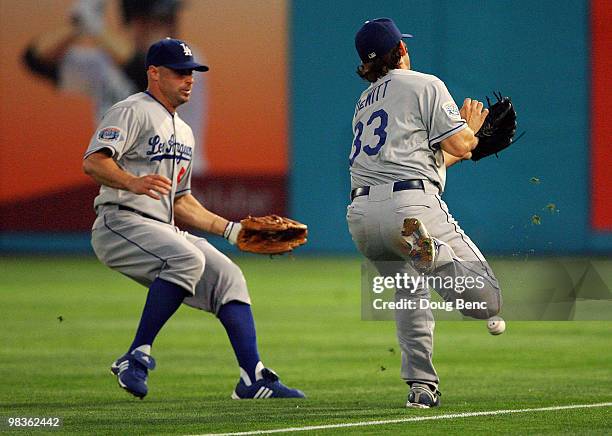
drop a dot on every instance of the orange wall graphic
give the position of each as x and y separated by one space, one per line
44 131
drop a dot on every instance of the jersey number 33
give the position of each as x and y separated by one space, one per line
379 117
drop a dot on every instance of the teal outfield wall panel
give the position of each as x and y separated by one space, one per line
537 52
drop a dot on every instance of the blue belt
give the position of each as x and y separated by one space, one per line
129 209
397 186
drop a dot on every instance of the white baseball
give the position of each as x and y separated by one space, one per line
496 325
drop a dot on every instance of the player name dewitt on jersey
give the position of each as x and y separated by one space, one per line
373 96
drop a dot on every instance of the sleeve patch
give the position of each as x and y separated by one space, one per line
451 109
110 135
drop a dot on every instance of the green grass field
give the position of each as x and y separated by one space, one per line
308 318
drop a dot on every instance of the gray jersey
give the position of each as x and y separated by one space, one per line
145 138
91 71
399 122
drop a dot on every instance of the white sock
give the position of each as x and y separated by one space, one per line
144 348
245 376
258 369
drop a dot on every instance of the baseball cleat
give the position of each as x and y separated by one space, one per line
419 244
421 396
268 386
131 370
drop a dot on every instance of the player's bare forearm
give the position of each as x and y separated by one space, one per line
103 169
450 160
191 212
459 146
461 143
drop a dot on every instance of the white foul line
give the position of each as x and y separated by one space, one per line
413 419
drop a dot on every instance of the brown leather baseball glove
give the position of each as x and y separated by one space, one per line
271 234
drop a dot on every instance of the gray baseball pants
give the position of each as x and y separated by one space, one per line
375 222
144 249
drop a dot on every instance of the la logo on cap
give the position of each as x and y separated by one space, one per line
186 50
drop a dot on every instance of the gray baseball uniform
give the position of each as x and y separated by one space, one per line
399 122
135 234
91 71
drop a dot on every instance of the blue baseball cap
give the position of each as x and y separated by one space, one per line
376 38
173 53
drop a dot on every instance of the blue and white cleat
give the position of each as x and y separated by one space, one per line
132 370
266 386
422 396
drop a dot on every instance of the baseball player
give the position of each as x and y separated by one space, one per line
407 131
142 155
111 69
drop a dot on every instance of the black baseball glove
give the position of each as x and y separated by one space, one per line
498 129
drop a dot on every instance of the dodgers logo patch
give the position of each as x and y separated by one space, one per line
451 109
110 134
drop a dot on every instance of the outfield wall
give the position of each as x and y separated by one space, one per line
537 52
552 57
